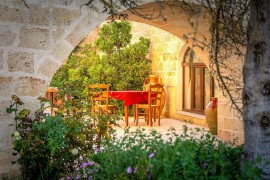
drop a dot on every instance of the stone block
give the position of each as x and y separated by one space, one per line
9 14
80 32
35 38
38 2
173 67
22 86
220 123
29 86
21 61
57 34
1 60
172 46
13 1
224 110
168 37
48 68
4 116
193 120
166 57
80 2
63 2
225 135
160 67
7 36
6 86
64 17
62 51
39 15
239 125
170 81
229 123
10 172
158 48
6 131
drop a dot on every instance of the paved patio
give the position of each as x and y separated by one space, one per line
165 125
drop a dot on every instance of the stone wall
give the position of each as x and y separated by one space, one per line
166 53
34 41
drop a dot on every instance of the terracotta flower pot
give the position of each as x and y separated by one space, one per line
211 115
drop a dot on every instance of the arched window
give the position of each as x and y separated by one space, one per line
198 84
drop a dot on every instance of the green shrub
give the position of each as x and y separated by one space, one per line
60 146
139 155
50 146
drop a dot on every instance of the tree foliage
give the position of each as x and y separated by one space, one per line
111 60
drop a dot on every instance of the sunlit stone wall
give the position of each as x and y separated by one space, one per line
34 41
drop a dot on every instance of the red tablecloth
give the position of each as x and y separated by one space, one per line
130 97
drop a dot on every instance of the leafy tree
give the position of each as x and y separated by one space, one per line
111 60
127 65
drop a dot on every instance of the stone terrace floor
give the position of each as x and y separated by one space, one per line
165 125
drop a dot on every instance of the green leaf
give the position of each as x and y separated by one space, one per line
23 113
11 109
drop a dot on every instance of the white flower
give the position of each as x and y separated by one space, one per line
74 151
16 134
18 138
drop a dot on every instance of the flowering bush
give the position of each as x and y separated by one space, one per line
49 146
141 156
55 147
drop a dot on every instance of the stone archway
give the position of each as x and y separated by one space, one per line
178 23
35 41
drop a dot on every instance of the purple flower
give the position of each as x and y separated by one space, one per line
89 178
68 178
204 165
135 170
83 165
78 176
90 163
90 171
129 170
151 155
96 151
62 178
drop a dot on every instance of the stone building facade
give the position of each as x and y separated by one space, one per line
167 54
36 38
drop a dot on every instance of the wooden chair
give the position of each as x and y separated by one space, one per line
153 108
99 95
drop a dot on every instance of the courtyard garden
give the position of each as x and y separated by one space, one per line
73 143
64 147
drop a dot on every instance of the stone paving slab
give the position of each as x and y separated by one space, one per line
165 125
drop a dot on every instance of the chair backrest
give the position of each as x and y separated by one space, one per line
145 84
99 94
155 94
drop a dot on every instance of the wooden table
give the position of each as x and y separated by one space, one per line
129 98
